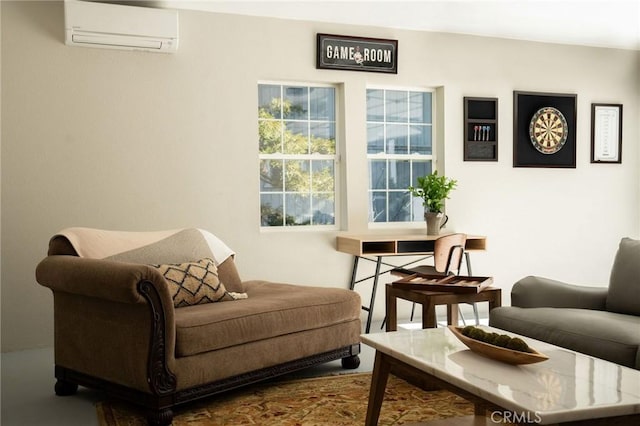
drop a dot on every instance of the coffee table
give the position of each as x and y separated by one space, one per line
568 388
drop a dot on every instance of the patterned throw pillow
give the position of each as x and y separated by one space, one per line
194 283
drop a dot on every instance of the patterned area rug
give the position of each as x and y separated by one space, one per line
333 400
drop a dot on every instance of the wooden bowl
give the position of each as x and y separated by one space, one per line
498 353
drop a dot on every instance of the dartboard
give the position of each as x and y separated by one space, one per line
548 130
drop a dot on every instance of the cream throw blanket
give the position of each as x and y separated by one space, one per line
178 245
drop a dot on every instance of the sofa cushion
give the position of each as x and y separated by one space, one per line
624 283
271 310
601 334
194 283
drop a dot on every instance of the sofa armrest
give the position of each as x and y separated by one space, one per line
538 292
113 320
102 279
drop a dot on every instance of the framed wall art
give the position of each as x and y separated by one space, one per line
606 133
544 129
340 52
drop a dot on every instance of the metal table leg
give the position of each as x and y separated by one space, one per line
373 293
354 272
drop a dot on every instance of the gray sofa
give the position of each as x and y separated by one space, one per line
598 321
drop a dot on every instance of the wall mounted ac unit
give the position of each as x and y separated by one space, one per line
115 26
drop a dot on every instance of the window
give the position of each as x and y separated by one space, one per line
399 150
297 151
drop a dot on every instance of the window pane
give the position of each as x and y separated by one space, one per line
323 138
375 138
322 100
323 207
399 174
399 207
420 107
375 105
397 139
271 210
297 176
269 103
378 174
417 208
296 137
420 168
270 136
378 202
297 208
271 177
397 105
323 176
420 137
296 103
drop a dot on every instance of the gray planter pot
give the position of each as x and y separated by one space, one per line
435 222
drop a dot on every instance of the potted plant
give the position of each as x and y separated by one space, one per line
433 190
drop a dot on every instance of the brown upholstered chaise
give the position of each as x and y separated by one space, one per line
116 327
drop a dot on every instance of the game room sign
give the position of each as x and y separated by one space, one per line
357 53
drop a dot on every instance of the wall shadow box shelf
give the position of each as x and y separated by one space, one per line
480 129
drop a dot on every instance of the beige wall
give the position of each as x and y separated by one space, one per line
139 141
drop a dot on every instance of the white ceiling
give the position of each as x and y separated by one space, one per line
604 23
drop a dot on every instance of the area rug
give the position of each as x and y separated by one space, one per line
332 400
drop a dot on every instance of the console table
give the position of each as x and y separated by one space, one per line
374 247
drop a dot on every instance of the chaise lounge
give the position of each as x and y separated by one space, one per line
162 318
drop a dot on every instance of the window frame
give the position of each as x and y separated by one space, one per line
416 202
336 157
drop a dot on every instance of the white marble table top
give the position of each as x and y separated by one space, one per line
569 386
